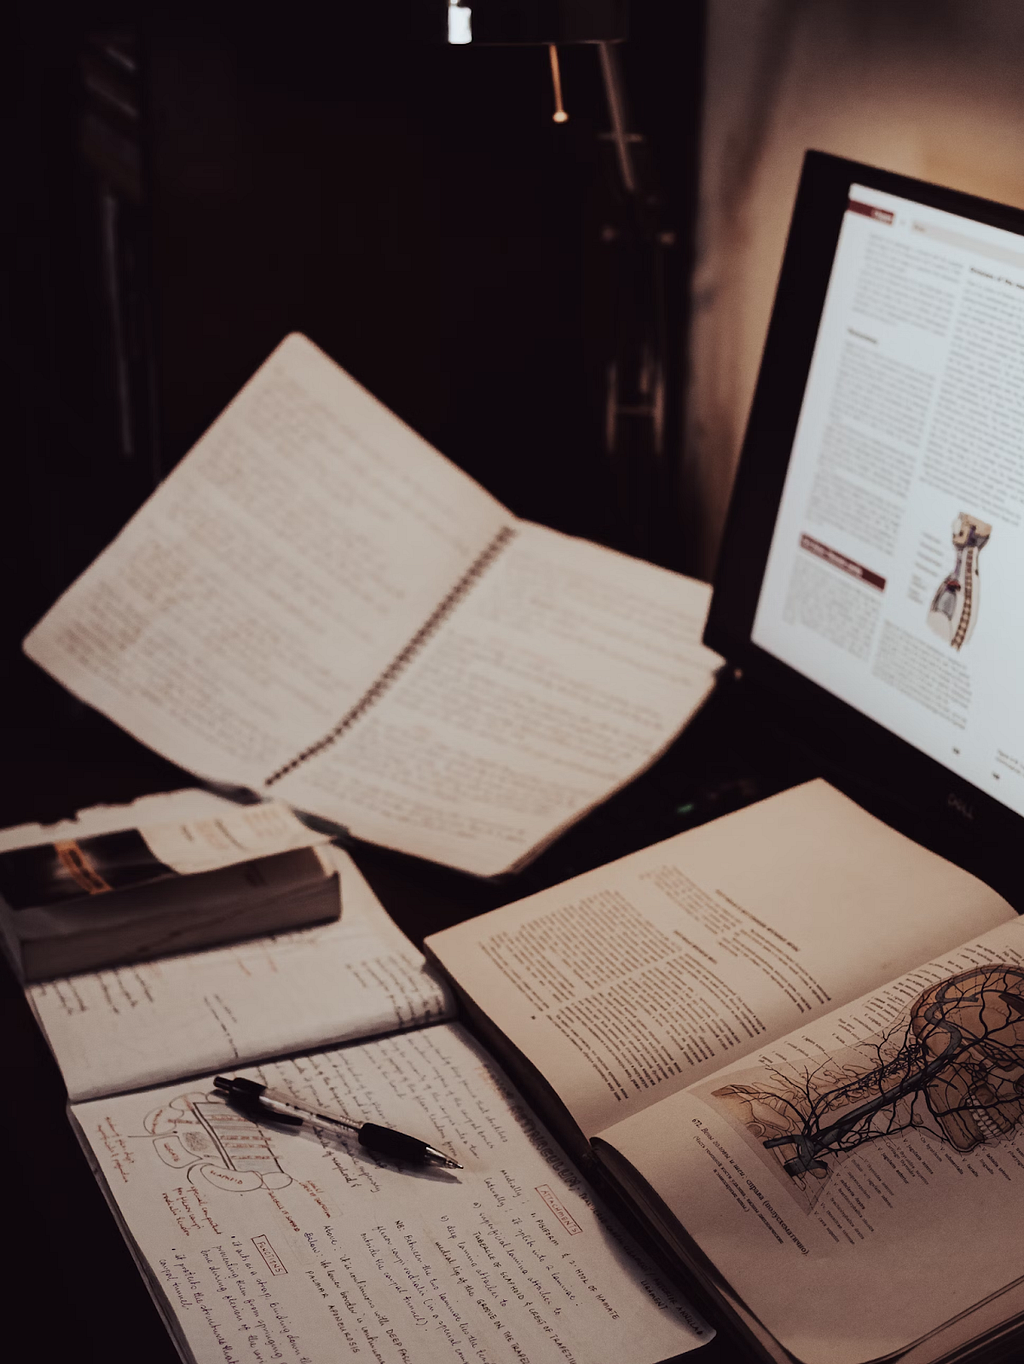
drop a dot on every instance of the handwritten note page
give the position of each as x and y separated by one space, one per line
267 1244
641 977
272 577
564 671
148 1023
908 1216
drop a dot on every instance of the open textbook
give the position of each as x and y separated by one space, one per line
260 1243
318 606
794 1042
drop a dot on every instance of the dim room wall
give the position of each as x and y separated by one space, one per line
934 90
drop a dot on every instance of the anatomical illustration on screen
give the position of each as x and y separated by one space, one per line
951 1066
953 613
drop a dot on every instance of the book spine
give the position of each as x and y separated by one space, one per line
394 669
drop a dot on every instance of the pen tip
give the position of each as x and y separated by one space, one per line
435 1157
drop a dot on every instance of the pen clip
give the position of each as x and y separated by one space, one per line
246 1096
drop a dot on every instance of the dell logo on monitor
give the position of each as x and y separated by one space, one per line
961 806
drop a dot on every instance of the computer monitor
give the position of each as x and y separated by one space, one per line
872 570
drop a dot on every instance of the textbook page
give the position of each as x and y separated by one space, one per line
151 1022
900 1118
262 1243
641 977
563 671
272 577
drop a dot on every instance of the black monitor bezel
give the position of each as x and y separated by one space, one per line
929 801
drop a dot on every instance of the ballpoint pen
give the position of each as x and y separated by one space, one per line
263 1103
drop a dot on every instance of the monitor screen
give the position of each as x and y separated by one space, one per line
874 556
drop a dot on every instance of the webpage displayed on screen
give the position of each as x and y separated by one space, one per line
896 566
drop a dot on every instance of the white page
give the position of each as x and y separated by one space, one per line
271 578
270 1244
902 1230
237 835
636 979
151 1022
564 671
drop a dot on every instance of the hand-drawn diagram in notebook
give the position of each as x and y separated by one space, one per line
954 609
952 1065
203 1136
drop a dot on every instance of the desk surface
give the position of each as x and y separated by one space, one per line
62 757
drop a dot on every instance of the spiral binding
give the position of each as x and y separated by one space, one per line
402 660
